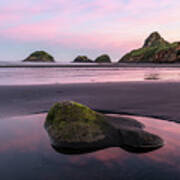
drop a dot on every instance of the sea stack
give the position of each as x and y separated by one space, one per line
39 56
154 50
155 39
82 59
103 59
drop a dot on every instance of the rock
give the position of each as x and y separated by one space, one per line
155 39
75 128
103 59
73 122
132 137
82 59
136 140
39 56
154 50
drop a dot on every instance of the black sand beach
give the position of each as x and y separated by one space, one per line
154 99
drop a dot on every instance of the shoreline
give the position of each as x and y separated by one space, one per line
93 65
152 99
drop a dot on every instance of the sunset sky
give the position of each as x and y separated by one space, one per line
67 28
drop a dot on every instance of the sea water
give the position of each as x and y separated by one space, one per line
34 76
26 153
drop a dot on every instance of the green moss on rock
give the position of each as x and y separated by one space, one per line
71 125
72 122
103 59
39 56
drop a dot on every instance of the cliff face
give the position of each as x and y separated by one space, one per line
171 54
155 50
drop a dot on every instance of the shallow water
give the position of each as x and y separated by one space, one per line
26 153
29 76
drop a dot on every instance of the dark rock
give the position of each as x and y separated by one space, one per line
155 39
72 122
75 128
82 59
155 50
39 56
103 59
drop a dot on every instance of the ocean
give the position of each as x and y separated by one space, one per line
61 75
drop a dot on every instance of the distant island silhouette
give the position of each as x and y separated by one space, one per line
154 50
39 56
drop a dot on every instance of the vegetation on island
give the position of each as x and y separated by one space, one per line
155 49
39 56
82 59
103 59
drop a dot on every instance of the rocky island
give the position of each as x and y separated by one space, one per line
154 50
82 59
71 125
39 56
103 59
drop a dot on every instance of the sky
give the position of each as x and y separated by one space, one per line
68 28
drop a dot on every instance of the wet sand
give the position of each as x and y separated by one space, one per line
154 99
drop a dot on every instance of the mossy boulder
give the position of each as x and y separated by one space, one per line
103 59
72 122
82 59
39 56
74 126
154 50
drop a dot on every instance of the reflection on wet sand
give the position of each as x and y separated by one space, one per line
170 132
21 133
13 76
23 139
168 154
152 76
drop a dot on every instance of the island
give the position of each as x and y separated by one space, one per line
39 56
82 59
74 126
154 50
103 59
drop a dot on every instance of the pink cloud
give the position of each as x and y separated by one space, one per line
4 18
101 24
58 32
